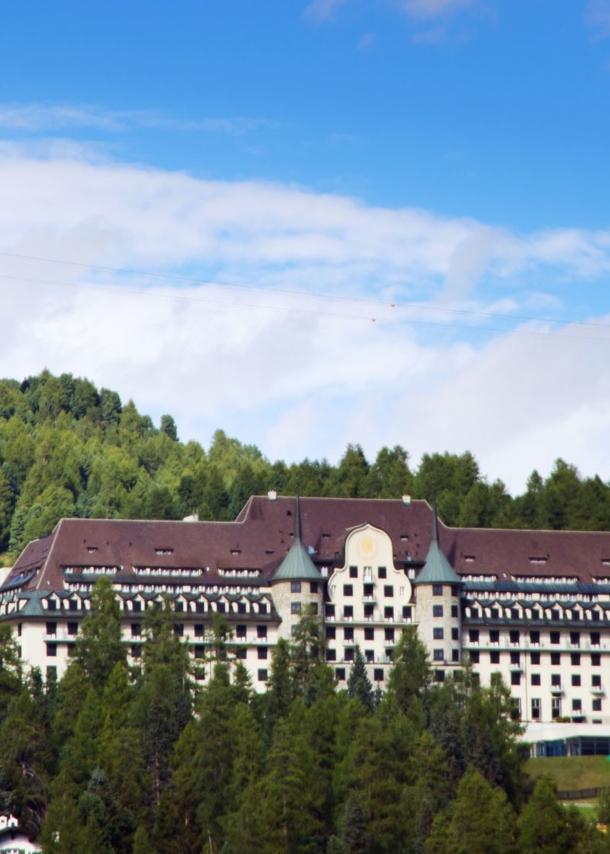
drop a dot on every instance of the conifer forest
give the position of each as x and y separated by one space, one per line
177 755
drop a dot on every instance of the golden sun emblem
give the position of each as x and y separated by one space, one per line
367 547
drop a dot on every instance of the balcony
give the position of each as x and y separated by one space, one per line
556 690
598 690
515 668
370 598
388 643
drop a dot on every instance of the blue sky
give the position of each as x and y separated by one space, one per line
439 165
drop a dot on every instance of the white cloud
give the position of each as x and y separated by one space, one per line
60 117
299 374
598 17
322 10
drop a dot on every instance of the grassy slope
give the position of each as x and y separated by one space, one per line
572 772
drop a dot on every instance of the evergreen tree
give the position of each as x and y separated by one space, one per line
99 646
353 832
359 685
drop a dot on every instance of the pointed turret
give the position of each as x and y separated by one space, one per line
297 565
436 569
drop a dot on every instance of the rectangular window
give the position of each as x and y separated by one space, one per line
475 656
474 613
179 607
348 612
378 674
179 629
331 632
295 586
295 607
495 613
575 638
594 638
135 630
535 614
331 654
382 572
72 629
199 607
389 635
340 671
368 590
51 672
73 606
554 614
555 637
388 590
439 655
437 589
51 628
597 704
438 634
514 637
577 705
369 610
369 634
199 651
241 607
241 631
515 678
262 675
353 572
473 635
330 611
455 635
437 610
348 654
51 649
369 654
535 679
439 675
388 613
52 604
199 630
221 607
595 659
261 632
575 658
454 611
535 637
576 680
348 589
596 680
262 608
348 633
555 658
494 636
313 586
455 592
515 658
556 680
535 709
494 657
136 650
535 657
556 707
406 612
455 655
241 652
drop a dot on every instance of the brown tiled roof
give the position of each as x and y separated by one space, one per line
262 534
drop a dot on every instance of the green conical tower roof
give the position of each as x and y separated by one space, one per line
436 569
297 565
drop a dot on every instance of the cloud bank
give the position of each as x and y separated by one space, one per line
302 373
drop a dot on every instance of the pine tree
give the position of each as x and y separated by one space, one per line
545 826
99 646
359 685
354 835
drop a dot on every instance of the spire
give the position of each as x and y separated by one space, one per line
297 565
297 521
434 521
436 569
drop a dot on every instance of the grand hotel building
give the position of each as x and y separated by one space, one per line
533 605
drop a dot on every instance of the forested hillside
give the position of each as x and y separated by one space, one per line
69 449
157 760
